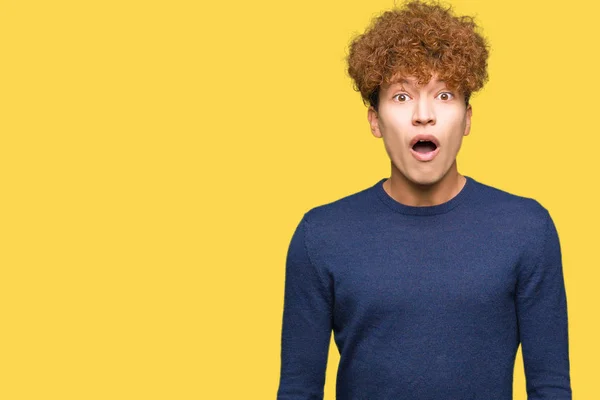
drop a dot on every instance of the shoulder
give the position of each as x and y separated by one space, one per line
348 208
337 224
521 220
503 204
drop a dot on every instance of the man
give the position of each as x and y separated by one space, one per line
429 279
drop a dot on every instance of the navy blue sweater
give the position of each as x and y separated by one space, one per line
425 303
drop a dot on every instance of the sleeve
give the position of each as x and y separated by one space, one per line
307 323
541 306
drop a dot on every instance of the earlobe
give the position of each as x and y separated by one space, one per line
373 122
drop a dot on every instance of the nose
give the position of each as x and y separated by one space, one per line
423 113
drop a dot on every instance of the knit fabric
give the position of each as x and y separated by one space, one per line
425 303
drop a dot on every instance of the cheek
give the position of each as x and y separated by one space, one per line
456 137
454 125
395 125
394 138
393 141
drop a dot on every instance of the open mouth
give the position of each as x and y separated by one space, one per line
424 146
425 150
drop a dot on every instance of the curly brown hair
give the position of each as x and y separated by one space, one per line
418 40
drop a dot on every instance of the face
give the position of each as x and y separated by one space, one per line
433 110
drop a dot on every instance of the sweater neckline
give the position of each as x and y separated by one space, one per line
424 210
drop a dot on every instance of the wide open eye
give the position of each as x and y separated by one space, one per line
402 97
445 96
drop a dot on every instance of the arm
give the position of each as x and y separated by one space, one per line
541 306
307 324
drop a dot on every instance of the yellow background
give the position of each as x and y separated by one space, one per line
156 157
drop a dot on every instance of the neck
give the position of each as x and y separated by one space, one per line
415 194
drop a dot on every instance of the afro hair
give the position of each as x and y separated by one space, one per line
418 40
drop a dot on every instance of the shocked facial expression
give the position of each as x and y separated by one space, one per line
422 127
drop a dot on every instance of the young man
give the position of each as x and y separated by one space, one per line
429 279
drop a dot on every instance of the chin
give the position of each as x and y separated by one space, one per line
425 178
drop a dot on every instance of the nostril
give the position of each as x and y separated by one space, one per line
419 121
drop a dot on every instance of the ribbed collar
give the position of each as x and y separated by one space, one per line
442 208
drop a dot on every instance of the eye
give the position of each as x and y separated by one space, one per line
402 97
445 96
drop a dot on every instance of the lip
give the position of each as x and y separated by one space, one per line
425 156
430 138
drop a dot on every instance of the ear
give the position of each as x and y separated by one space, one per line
373 121
468 120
